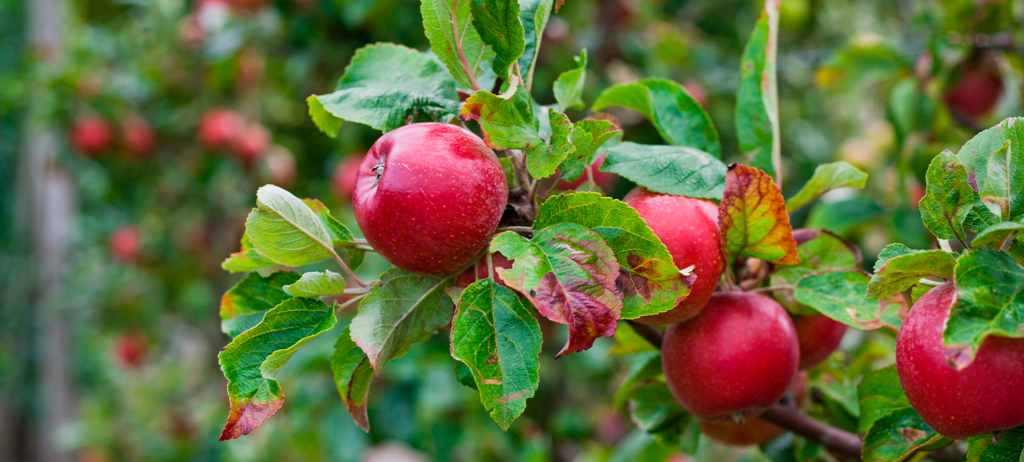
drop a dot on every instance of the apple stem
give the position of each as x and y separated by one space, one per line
519 167
518 229
354 301
590 177
348 270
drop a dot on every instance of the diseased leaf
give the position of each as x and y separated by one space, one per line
497 22
568 272
902 272
499 340
588 135
975 154
948 197
986 448
649 280
680 120
568 87
753 219
677 170
646 366
286 230
542 163
507 120
994 236
757 99
244 305
454 40
253 358
892 251
840 296
352 375
981 216
826 178
387 86
1005 180
317 284
894 429
246 259
989 301
401 310
534 15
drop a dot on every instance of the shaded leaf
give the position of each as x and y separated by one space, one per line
898 435
244 305
253 358
677 170
645 366
753 219
588 135
568 272
317 284
995 235
680 120
286 230
975 154
880 393
568 88
902 272
1007 448
628 342
464 375
840 296
948 197
497 22
507 120
653 409
499 340
542 163
352 375
826 178
387 86
452 36
401 310
534 15
649 280
757 99
980 216
1005 180
246 259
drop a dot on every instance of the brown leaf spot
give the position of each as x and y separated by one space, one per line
513 396
912 434
246 415
493 359
491 382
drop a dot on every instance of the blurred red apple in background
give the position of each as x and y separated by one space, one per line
279 166
604 180
343 180
137 136
125 244
251 142
218 128
978 88
130 349
91 135
819 337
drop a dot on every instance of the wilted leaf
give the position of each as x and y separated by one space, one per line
680 120
568 272
507 120
757 100
901 272
451 34
497 22
753 219
402 310
677 170
352 375
826 178
244 305
840 296
649 280
253 358
948 198
284 229
246 259
568 87
317 284
499 340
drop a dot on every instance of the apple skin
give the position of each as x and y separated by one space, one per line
219 128
138 137
125 244
467 277
983 397
130 349
737 357
91 135
819 337
343 180
753 430
604 180
689 229
251 143
429 196
978 89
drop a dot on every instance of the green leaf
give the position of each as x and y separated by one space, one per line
628 342
677 170
902 272
680 120
653 409
286 230
568 87
995 235
892 251
352 375
244 305
757 100
464 375
753 219
894 429
980 216
1005 179
253 358
976 153
542 163
1008 448
534 15
387 86
500 340
646 366
497 22
569 273
401 310
316 284
340 234
246 259
507 120
588 136
649 280
948 197
989 301
453 38
880 393
826 178
840 296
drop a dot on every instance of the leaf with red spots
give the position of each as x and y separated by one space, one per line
253 358
569 274
498 340
753 219
244 305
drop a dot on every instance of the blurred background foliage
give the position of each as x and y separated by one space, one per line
882 84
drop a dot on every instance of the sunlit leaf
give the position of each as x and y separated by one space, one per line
977 152
497 22
454 40
753 219
677 170
317 284
901 272
840 296
542 163
507 120
894 430
827 177
588 135
948 197
244 305
1005 179
286 230
757 100
246 259
568 87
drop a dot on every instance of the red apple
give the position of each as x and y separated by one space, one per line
604 180
735 359
983 397
429 196
91 135
219 128
130 349
753 430
689 228
819 337
137 136
978 89
344 177
251 143
467 277
125 244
